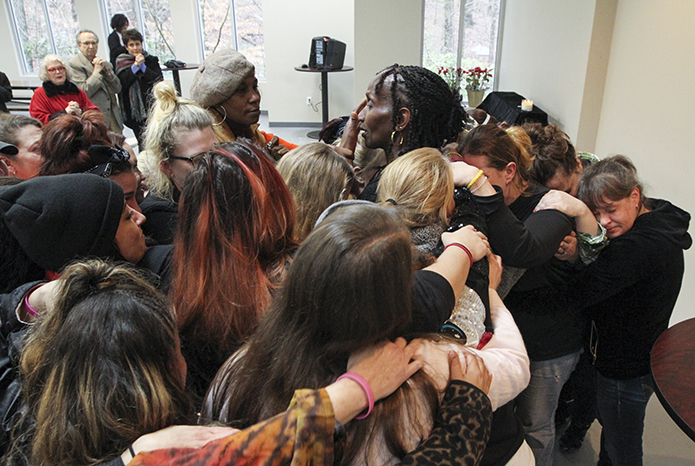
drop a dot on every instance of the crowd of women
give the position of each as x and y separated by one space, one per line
412 293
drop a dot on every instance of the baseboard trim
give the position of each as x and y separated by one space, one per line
292 124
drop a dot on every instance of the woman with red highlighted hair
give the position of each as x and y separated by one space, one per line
234 236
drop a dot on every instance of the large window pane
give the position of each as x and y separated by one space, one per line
152 18
44 27
236 24
441 33
446 45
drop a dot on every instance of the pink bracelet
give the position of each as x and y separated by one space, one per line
30 309
465 249
367 390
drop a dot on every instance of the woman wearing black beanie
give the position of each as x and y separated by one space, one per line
53 220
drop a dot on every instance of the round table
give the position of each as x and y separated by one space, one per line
673 368
324 90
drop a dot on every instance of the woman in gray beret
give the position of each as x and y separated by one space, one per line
225 85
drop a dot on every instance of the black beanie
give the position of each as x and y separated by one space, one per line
59 218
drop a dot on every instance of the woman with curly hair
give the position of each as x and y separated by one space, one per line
81 144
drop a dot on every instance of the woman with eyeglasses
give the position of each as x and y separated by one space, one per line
177 130
57 96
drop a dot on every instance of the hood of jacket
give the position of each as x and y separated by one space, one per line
670 221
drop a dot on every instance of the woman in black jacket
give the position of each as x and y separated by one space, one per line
138 72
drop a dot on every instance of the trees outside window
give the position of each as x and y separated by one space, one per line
152 18
460 33
236 24
44 27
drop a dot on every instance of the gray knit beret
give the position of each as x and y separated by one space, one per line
219 76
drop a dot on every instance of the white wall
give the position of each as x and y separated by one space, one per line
617 77
288 29
647 107
544 55
386 32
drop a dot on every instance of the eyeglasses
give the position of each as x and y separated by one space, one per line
192 160
56 69
89 43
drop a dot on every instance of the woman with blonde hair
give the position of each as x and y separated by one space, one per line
421 183
177 130
317 177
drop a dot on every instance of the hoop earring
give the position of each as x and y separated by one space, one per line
223 118
400 138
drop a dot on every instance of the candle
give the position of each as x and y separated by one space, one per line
526 105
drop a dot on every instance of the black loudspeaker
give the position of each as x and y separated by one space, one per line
326 53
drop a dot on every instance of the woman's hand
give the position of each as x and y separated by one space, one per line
73 108
475 372
495 274
387 365
348 142
560 200
475 241
568 248
571 206
276 149
178 437
139 59
463 173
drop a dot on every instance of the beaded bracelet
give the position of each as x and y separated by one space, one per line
367 390
479 186
465 249
474 179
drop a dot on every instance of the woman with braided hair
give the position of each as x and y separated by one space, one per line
406 108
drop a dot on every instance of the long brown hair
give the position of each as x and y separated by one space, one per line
349 286
99 370
234 235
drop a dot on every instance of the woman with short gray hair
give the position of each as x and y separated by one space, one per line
58 95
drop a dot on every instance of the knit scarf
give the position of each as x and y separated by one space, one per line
53 90
138 111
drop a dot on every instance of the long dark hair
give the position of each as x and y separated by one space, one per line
99 370
234 234
349 286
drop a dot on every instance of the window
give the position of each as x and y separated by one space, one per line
237 24
44 27
460 33
152 18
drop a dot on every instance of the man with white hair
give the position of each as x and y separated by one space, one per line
96 78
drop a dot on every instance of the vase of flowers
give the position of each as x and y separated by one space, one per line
452 76
477 80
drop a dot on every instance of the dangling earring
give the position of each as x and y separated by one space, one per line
224 118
